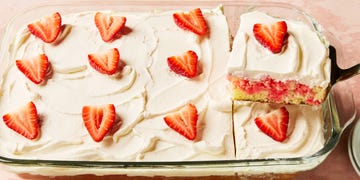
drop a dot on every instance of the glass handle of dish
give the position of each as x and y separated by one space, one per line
346 110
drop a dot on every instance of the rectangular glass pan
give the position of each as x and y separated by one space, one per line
333 112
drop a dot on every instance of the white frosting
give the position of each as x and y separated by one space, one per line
305 134
143 92
304 58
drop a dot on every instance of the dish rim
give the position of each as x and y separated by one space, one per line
330 144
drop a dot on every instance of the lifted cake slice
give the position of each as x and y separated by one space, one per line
278 60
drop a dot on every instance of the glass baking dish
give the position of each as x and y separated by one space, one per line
335 116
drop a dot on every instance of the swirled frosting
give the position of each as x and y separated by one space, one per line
143 92
305 57
304 136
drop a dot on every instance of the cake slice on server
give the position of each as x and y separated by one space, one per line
278 60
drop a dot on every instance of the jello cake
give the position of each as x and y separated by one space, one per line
137 86
278 60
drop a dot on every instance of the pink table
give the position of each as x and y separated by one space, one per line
339 17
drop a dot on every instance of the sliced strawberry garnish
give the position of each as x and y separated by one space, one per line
35 68
98 120
272 36
47 28
192 21
105 62
184 121
109 26
274 124
185 65
24 121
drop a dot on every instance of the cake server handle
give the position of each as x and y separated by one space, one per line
338 74
341 105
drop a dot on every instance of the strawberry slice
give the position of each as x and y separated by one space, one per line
271 36
109 26
24 121
98 120
47 29
105 62
184 121
185 65
274 124
192 21
35 68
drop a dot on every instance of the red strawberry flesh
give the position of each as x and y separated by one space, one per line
109 26
185 65
105 62
47 29
184 121
274 124
24 121
192 21
271 36
98 120
35 68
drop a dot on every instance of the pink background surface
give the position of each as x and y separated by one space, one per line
339 17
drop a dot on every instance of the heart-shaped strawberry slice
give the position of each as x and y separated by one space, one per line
185 65
34 68
271 36
98 120
105 62
184 121
109 26
274 124
192 21
47 29
24 121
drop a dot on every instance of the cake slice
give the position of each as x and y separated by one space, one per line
302 127
171 89
278 60
213 130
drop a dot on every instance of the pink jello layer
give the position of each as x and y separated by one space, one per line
270 90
